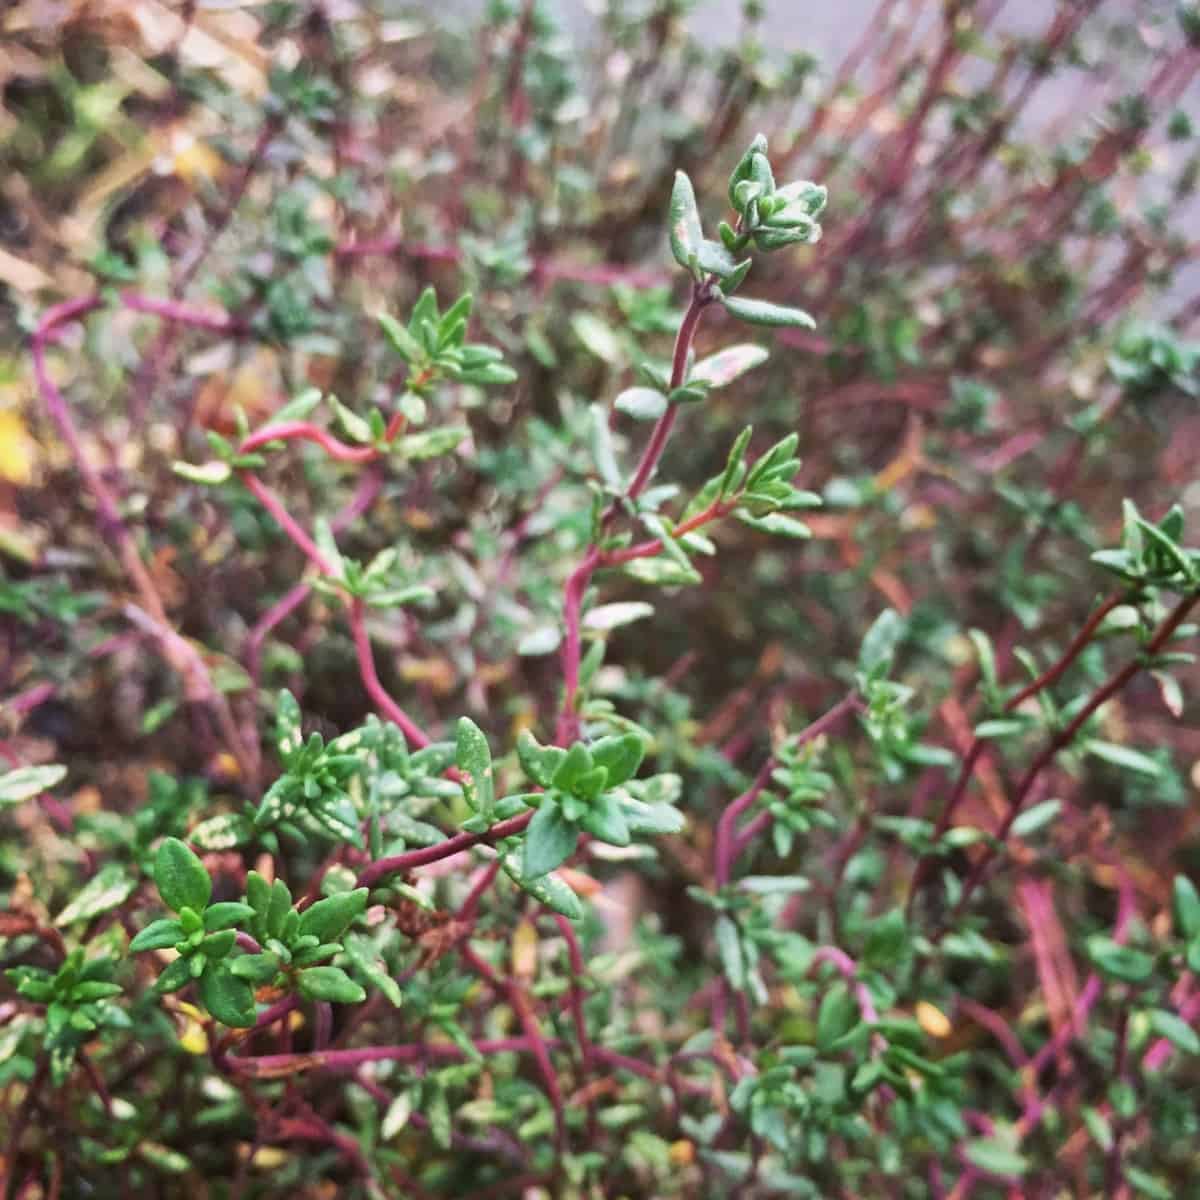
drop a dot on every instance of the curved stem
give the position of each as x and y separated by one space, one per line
370 677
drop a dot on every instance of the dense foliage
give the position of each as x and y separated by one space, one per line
560 645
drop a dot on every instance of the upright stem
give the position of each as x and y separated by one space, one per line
701 299
568 720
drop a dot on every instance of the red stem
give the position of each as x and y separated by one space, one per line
285 520
370 677
306 431
383 867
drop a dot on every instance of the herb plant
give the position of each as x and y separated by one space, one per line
459 747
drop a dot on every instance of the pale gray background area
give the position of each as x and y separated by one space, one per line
829 28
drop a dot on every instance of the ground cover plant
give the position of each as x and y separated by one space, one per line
598 616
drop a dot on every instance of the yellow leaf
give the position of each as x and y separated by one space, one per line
18 450
682 1153
932 1020
192 1036
524 950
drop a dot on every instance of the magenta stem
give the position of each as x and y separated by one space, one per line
370 677
577 583
285 520
373 874
307 431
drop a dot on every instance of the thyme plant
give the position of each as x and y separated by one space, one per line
547 782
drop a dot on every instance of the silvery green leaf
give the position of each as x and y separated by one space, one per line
598 337
431 443
27 783
297 408
209 473
641 403
539 641
726 365
108 888
686 235
763 312
612 616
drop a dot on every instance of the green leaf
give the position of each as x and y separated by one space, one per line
108 888
490 374
538 762
879 644
549 841
745 168
255 969
366 958
458 312
762 312
181 878
219 944
356 428
598 337
298 408
612 616
600 443
996 1155
986 656
605 820
1186 904
619 755
714 258
473 756
1176 1030
1126 758
288 738
1002 727
540 641
727 365
776 523
1037 817
641 403
549 890
229 999
278 908
837 1016
27 783
729 950
330 983
431 443
175 975
328 919
258 893
1119 962
158 935
1098 1127
733 462
774 885
209 473
400 339
1146 1184
777 466
574 766
226 915
652 819
686 233
662 572
223 832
